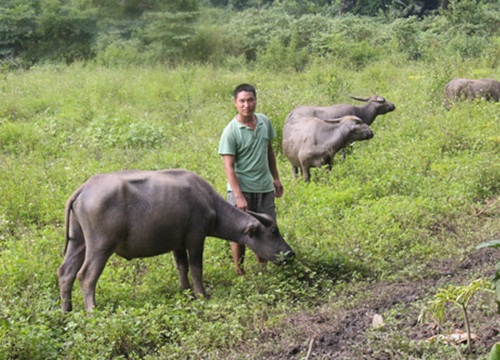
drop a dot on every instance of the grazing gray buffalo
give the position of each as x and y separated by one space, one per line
146 213
375 105
466 89
312 142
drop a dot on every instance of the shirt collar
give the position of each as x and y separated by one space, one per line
243 126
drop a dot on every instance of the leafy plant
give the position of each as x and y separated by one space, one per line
495 352
459 296
496 278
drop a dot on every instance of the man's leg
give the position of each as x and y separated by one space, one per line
264 203
238 250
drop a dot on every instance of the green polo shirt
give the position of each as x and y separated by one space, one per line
250 148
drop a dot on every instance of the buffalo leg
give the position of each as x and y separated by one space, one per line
195 264
305 164
261 262
66 273
306 173
89 274
238 252
181 261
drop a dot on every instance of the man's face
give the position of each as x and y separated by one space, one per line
245 103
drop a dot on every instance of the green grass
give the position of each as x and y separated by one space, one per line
383 214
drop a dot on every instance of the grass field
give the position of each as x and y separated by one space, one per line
406 207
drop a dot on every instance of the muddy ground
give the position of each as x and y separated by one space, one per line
330 333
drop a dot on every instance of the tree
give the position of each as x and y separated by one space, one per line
64 32
405 7
17 26
136 8
417 8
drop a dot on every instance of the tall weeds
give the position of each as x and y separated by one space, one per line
384 213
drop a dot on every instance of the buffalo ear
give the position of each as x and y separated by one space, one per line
351 118
250 230
265 219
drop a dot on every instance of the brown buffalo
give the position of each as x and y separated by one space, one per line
375 105
146 213
466 89
312 142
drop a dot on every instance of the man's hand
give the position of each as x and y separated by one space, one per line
278 188
241 203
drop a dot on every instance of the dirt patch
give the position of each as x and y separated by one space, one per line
343 333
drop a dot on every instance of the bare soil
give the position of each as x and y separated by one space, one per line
334 333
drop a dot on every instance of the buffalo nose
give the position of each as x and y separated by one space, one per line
290 255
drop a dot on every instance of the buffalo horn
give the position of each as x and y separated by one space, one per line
333 121
359 98
263 218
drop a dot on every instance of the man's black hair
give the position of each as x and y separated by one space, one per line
244 87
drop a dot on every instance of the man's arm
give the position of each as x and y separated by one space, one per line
278 187
241 202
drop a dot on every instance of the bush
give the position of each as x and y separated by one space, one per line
281 54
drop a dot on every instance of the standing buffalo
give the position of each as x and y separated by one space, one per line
465 89
312 142
146 213
375 105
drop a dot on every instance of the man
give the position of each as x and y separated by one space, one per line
249 162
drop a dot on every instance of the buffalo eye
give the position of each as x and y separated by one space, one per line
275 231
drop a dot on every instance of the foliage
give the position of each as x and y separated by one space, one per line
167 33
221 33
284 53
17 27
459 296
64 34
495 352
496 277
397 204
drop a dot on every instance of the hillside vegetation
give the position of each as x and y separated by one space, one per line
400 202
407 207
229 33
